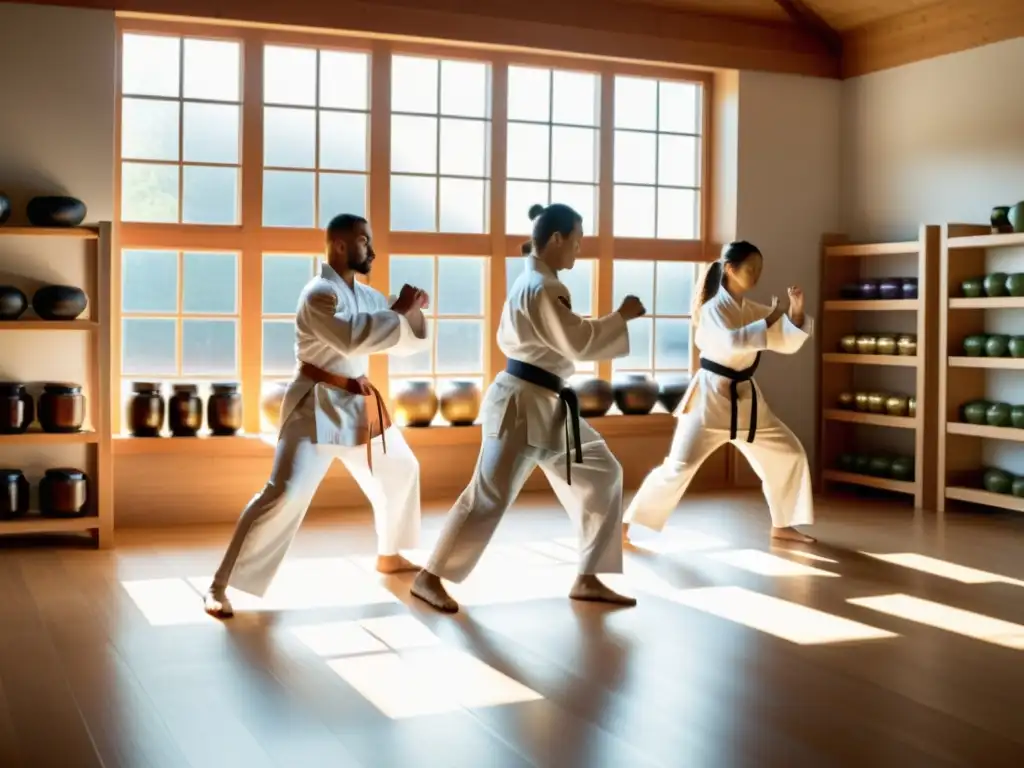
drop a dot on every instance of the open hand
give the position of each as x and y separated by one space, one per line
632 308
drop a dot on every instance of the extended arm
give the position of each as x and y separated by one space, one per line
575 337
418 340
715 331
357 333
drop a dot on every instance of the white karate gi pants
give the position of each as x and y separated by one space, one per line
269 523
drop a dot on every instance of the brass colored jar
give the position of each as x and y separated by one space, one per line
415 404
876 402
62 408
912 406
885 345
861 401
224 410
846 400
848 344
146 410
185 411
460 403
906 345
896 405
867 344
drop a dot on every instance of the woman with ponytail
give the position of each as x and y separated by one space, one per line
531 419
723 403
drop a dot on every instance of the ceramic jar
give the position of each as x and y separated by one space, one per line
224 410
17 410
14 493
415 404
635 394
63 493
460 403
146 410
62 408
184 411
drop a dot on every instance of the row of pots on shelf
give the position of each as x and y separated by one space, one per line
48 210
63 492
61 408
1008 218
879 344
878 402
183 410
892 467
51 302
993 285
1000 481
984 412
881 288
993 345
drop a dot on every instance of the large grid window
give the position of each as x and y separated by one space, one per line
440 140
657 158
284 277
315 135
180 130
660 342
553 143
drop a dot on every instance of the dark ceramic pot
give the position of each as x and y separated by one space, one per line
13 302
995 284
14 490
1000 219
56 211
59 302
62 408
145 410
909 287
185 411
1016 217
902 469
671 393
17 411
63 493
5 208
850 291
224 410
869 289
635 394
890 288
596 397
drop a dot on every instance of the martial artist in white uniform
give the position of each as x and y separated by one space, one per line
723 403
527 414
331 411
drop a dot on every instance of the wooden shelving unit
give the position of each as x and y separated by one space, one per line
968 251
99 518
843 263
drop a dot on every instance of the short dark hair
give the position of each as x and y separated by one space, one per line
343 222
556 217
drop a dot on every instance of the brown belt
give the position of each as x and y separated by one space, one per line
361 386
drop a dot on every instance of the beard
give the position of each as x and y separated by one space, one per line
361 267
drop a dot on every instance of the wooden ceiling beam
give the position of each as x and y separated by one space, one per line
805 17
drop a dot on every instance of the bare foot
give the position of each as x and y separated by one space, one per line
430 590
216 603
394 564
792 534
590 589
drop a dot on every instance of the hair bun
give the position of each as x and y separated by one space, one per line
536 210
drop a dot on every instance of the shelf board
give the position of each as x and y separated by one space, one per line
77 233
842 357
983 430
872 305
881 483
998 363
987 241
34 523
36 437
976 496
873 249
48 325
998 302
872 419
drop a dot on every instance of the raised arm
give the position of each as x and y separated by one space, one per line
575 337
788 335
418 340
359 333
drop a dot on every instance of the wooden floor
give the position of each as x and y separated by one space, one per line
846 653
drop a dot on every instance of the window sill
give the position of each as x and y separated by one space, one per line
257 446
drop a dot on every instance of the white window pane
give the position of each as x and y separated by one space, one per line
420 363
574 154
417 271
284 277
413 204
678 161
413 144
414 84
289 137
580 282
208 347
343 140
674 293
639 357
210 283
514 267
341 193
210 195
464 147
636 103
679 107
519 197
460 285
344 80
149 192
460 346
288 199
278 347
634 278
464 88
577 98
677 214
150 65
634 211
289 76
463 206
149 129
528 151
148 347
635 157
529 94
582 197
211 133
212 70
149 281
671 343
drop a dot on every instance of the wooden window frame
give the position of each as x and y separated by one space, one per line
251 239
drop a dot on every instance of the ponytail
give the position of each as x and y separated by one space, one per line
709 287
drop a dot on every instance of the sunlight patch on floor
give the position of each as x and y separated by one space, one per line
943 568
806 555
675 540
766 564
167 602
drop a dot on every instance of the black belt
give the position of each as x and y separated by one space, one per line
534 375
735 379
